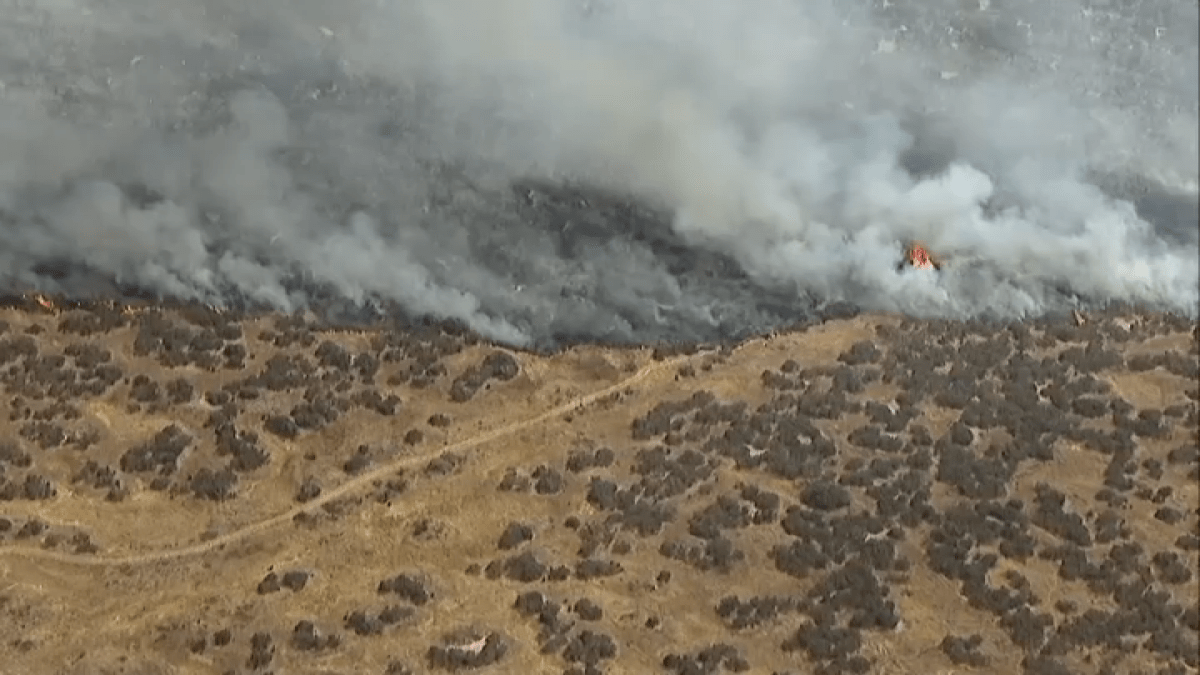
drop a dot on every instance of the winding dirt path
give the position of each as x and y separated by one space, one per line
343 490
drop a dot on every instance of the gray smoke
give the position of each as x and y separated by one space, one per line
603 169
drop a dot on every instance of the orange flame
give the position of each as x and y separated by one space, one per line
919 257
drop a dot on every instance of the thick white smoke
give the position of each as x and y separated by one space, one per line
1048 149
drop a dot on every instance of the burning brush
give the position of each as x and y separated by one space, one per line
917 256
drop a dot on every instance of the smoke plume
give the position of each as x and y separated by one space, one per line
629 170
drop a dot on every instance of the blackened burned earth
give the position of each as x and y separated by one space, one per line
595 292
685 294
209 492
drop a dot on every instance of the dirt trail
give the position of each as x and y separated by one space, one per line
345 489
